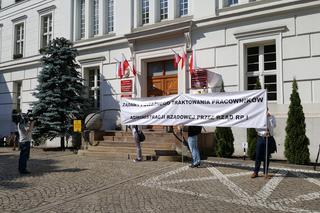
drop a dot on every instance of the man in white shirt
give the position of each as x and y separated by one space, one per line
25 127
264 135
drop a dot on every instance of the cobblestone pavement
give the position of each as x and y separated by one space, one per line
64 182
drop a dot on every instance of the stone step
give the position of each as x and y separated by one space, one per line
150 136
145 144
131 156
113 155
155 151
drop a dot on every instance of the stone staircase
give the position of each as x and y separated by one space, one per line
159 145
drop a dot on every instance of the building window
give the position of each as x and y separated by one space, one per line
163 9
145 11
17 90
262 66
110 15
95 17
183 5
92 77
46 30
232 2
161 68
82 18
18 40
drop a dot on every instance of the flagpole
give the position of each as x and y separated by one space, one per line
266 140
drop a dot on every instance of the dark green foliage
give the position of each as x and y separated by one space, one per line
59 92
296 142
224 139
252 134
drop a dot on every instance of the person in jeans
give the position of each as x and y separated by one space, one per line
134 129
264 135
193 132
25 127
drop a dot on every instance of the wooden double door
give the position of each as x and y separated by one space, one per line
162 85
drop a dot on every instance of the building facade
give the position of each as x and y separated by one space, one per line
242 40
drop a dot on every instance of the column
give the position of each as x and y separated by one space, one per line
172 9
153 11
102 17
88 17
136 13
221 4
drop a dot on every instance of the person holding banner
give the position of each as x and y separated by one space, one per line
263 136
193 132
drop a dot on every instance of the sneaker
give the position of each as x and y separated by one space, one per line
195 165
254 175
137 160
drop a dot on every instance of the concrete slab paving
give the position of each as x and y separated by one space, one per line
65 182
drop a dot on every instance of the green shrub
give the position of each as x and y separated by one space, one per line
296 142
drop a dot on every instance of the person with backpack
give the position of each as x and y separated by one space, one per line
193 132
135 133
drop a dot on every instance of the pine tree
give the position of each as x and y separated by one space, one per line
252 134
296 142
59 92
224 139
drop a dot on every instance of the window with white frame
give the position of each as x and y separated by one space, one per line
17 90
82 18
46 30
163 9
262 66
183 7
18 40
110 16
92 78
145 11
95 17
232 2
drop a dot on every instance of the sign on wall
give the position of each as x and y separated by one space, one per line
126 88
77 125
126 85
228 109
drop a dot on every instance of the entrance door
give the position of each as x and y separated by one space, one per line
162 78
162 81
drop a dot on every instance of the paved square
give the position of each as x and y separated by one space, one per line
64 182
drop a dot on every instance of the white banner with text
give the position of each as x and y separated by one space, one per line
226 109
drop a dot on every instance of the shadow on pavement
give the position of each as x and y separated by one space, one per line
10 178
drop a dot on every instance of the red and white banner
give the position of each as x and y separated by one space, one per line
227 109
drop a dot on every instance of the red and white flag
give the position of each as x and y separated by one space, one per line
134 72
124 64
176 59
119 68
183 59
192 62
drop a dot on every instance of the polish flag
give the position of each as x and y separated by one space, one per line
183 59
176 59
192 62
119 69
124 63
134 70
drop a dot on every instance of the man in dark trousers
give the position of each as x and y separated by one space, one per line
193 132
25 127
264 135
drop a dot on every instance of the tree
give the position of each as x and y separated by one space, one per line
59 92
224 139
296 142
252 134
